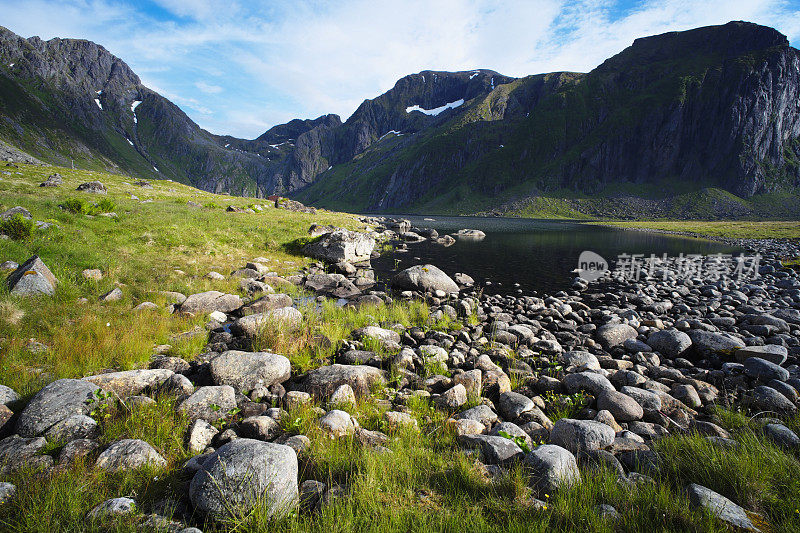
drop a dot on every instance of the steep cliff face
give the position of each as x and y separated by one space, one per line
714 106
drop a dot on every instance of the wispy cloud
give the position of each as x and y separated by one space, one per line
243 67
208 88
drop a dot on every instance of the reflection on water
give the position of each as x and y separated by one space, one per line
537 254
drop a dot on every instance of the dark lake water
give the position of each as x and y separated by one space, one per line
539 255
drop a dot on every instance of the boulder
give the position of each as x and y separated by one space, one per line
129 454
771 352
424 278
7 395
252 325
266 303
18 452
54 403
321 382
199 436
576 435
259 427
244 371
495 450
376 333
720 506
131 382
590 381
669 342
32 278
761 369
209 403
611 335
551 467
621 406
7 492
206 302
242 474
53 180
21 211
337 423
94 187
73 427
708 342
341 245
513 404
111 508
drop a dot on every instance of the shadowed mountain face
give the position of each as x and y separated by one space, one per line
717 107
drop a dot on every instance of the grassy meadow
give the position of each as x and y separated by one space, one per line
421 481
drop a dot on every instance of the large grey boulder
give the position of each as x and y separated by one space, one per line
18 452
244 371
773 353
209 403
206 302
129 454
57 401
708 342
321 382
18 210
495 450
768 399
424 278
590 381
611 335
761 369
252 325
32 278
131 382
72 428
720 506
576 435
341 245
376 333
623 407
670 342
242 474
266 303
513 404
551 467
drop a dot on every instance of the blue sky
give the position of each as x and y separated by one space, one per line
241 67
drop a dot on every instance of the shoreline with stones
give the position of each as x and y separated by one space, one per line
640 360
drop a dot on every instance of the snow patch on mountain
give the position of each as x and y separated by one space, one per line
435 111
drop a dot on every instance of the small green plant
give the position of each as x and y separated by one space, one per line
17 227
564 405
518 440
101 406
76 206
106 206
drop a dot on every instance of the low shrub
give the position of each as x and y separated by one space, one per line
17 227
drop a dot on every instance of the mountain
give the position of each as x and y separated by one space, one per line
714 107
710 109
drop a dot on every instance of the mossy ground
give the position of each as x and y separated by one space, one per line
425 482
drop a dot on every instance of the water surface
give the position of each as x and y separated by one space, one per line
539 255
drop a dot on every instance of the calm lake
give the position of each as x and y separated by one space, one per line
539 255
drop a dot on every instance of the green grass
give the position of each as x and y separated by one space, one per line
424 482
767 229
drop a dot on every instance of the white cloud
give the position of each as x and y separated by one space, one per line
245 66
208 88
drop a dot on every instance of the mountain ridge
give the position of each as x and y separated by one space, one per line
716 105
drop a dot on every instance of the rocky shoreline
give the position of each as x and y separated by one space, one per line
628 361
